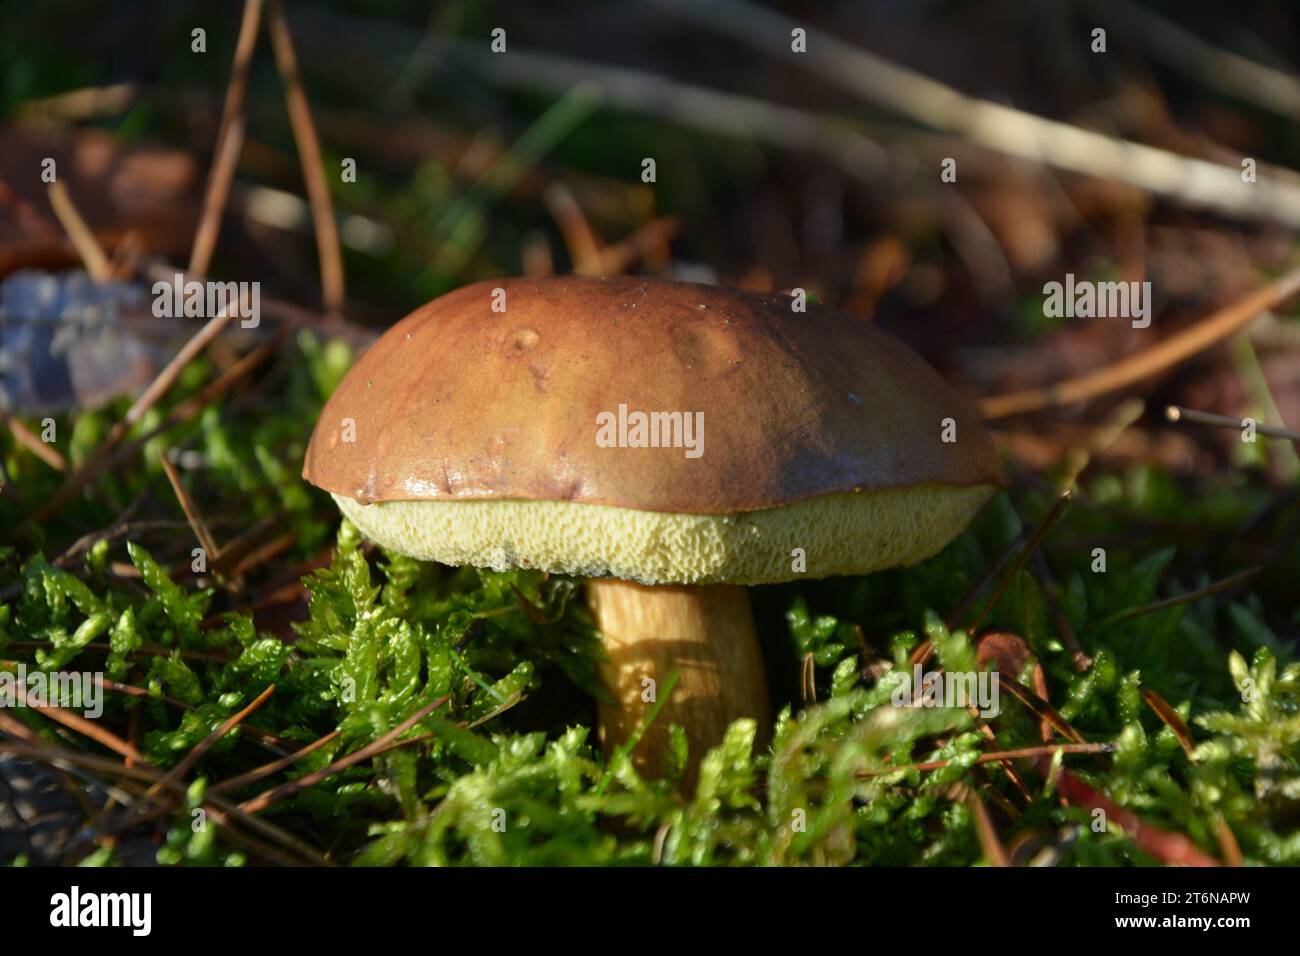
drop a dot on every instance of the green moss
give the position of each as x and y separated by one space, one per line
506 772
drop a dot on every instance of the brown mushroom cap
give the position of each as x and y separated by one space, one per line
475 435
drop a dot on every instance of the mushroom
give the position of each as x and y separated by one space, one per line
670 442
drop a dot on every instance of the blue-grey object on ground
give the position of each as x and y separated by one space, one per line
64 342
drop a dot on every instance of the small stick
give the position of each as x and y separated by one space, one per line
264 800
1102 437
86 728
536 256
585 247
973 593
1173 720
116 529
703 108
304 134
288 314
1039 566
1228 844
15 728
192 515
188 353
1164 355
66 762
126 257
87 246
1042 572
204 397
1007 765
1018 562
1218 68
45 452
75 106
1223 584
259 773
252 536
655 234
1024 136
421 738
133 726
994 851
177 773
263 553
230 140
808 679
1045 712
1046 750
1176 413
266 739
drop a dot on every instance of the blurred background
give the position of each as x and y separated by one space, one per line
772 169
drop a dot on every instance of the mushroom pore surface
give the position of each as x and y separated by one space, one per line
837 534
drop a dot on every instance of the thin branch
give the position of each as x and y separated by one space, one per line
83 240
177 773
87 728
717 112
304 134
1159 357
585 247
1224 584
994 852
925 649
45 452
275 766
264 800
1053 516
230 140
197 524
900 90
1263 86
1176 413
995 757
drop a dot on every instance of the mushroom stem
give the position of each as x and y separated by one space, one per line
703 632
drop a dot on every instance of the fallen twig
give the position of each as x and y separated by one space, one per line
264 800
1176 413
230 140
83 239
304 134
197 524
1164 355
1191 181
997 756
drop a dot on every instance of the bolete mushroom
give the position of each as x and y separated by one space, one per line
669 442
